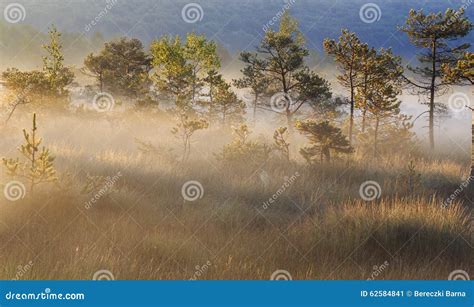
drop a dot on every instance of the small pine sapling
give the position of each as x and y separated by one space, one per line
280 137
323 138
38 167
185 129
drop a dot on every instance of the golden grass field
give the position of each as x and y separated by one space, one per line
142 228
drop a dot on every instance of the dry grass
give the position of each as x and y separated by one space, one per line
318 228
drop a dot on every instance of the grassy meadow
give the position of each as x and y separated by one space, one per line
141 227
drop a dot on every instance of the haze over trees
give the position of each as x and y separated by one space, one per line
277 148
435 35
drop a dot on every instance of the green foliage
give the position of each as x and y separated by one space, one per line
346 53
243 151
461 71
410 180
395 136
38 166
58 75
255 80
172 74
201 55
435 34
185 129
225 104
121 68
323 138
280 138
181 68
42 87
281 59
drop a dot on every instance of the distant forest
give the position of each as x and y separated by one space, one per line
234 25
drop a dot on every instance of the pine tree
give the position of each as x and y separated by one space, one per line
173 75
202 57
462 73
281 58
254 79
347 54
38 166
185 129
323 138
280 138
380 87
435 35
58 75
226 105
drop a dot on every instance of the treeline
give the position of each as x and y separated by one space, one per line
183 74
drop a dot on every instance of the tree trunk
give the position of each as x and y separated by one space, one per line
351 123
432 96
472 148
376 135
289 121
327 154
364 119
255 102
